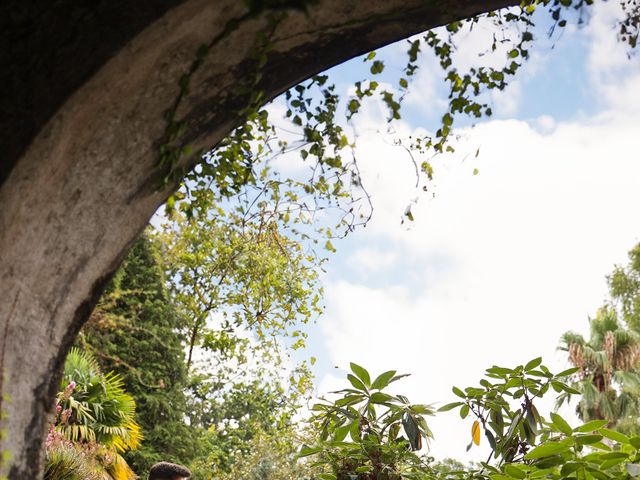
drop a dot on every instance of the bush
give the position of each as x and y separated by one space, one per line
68 462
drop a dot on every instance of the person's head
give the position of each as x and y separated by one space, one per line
169 471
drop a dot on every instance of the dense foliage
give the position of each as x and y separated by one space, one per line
359 433
608 376
198 322
369 434
94 424
228 294
135 332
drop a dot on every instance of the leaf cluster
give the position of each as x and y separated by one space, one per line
368 433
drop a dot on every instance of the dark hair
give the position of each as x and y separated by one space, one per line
168 471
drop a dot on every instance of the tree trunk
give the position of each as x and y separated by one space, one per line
85 89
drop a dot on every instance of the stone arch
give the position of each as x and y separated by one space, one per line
85 90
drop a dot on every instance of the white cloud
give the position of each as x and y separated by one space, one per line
614 76
507 101
372 259
497 265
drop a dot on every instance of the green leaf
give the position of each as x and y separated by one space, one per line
533 364
616 436
380 398
356 382
611 463
349 400
377 67
569 371
591 426
306 451
601 446
569 467
514 471
361 373
412 431
459 392
450 406
562 424
464 411
500 370
547 449
588 439
613 455
383 380
326 476
341 433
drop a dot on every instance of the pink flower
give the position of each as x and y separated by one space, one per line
64 418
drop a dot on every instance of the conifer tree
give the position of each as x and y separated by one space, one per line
135 332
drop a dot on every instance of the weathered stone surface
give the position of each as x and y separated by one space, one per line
84 92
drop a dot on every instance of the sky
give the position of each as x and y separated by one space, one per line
496 266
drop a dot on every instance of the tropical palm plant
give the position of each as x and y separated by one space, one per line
608 377
93 408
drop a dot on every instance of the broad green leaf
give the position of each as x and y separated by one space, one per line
341 433
458 392
450 406
569 467
588 439
326 476
491 439
349 400
380 397
499 476
611 463
591 426
562 424
306 451
361 373
383 380
356 382
550 462
464 411
569 371
613 455
514 471
533 364
547 449
616 436
499 370
412 431
600 446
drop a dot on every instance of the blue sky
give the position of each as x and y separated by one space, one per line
497 265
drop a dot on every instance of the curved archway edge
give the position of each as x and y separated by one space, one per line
82 116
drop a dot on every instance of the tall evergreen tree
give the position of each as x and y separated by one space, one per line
135 332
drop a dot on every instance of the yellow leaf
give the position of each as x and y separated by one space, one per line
475 432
